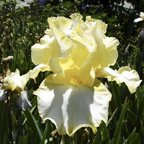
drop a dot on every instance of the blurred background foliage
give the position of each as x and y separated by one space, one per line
21 27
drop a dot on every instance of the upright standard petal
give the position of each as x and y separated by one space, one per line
46 49
60 26
90 35
71 107
110 53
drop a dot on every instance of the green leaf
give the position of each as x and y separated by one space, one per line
116 95
105 133
45 134
33 123
111 118
117 134
133 138
3 123
97 139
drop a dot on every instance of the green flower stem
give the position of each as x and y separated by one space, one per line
67 140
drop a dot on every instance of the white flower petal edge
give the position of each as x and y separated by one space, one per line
124 74
71 108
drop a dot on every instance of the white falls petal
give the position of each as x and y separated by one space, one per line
71 108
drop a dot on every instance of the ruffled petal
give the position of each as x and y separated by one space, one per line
46 49
83 36
60 26
74 36
71 107
90 35
110 53
124 74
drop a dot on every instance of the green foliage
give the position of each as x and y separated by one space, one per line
21 28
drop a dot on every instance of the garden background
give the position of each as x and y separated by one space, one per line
21 27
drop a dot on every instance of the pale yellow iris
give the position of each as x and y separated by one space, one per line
78 52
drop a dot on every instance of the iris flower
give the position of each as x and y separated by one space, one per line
16 83
78 53
141 18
